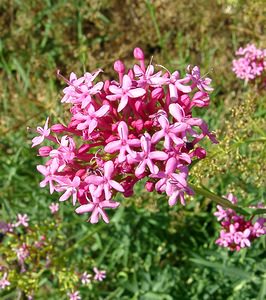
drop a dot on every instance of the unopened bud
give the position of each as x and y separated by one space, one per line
58 128
45 151
138 54
119 67
149 186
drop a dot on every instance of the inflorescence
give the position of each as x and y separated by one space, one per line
123 131
251 63
237 231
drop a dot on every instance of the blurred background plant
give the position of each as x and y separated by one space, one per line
149 251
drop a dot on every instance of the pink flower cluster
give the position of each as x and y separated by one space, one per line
237 232
120 132
251 64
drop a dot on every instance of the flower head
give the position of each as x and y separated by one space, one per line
137 128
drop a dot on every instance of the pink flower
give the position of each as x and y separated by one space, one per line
89 119
105 182
169 133
44 132
54 207
221 213
22 220
74 295
85 278
123 93
49 173
4 282
70 188
203 84
99 274
123 145
96 207
22 253
147 156
176 85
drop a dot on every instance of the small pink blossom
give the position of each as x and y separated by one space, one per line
74 295
70 188
44 132
50 174
54 207
124 144
4 282
99 274
85 278
22 220
124 92
96 207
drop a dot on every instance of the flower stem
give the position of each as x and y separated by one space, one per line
219 200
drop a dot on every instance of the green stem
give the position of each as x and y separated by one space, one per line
219 200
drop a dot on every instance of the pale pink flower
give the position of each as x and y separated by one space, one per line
4 282
54 207
44 132
49 173
251 64
99 274
237 232
221 213
169 133
74 295
85 278
177 85
203 84
22 220
70 188
89 118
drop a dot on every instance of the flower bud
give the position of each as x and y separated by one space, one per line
45 151
149 186
157 93
200 153
119 67
58 128
138 124
106 86
138 54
